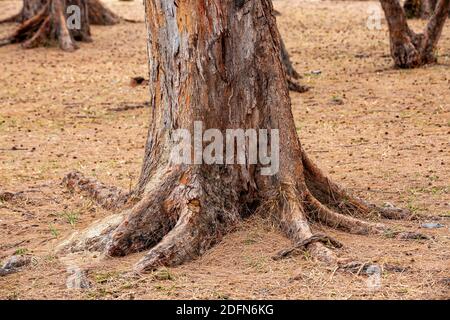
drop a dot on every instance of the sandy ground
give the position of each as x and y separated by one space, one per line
383 133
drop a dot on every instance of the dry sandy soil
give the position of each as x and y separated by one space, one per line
381 132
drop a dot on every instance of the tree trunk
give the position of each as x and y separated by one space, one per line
30 8
291 74
50 24
219 63
422 9
98 13
408 49
101 15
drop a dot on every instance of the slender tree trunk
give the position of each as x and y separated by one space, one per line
218 62
409 49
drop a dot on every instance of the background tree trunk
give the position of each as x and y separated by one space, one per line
98 13
49 25
45 23
291 74
101 15
408 49
218 62
422 9
30 8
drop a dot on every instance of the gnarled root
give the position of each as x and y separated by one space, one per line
108 197
13 19
183 212
337 220
291 74
195 232
191 218
326 191
178 219
326 240
101 15
294 85
293 221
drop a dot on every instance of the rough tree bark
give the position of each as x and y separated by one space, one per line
219 62
49 25
98 13
409 49
422 9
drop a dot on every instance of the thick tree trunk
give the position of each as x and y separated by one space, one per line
218 62
409 49
49 25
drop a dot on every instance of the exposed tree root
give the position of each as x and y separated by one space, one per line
101 15
291 74
190 237
13 19
183 214
357 267
305 243
294 85
147 222
95 238
326 191
106 196
344 222
291 215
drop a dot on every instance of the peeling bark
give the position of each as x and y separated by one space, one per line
219 62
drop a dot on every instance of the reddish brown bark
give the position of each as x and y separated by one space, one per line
44 22
49 26
218 62
408 49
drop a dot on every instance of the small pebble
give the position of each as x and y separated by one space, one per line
432 225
